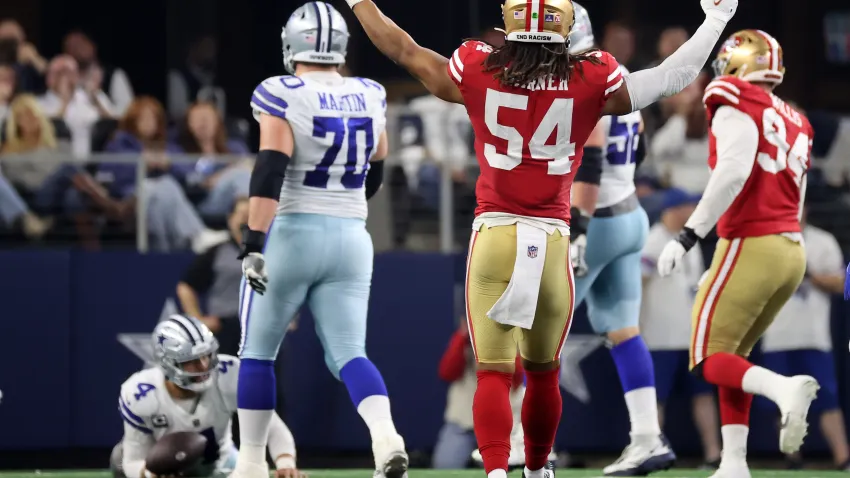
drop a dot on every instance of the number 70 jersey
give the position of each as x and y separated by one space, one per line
529 139
337 123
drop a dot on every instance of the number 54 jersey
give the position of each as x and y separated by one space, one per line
529 139
773 194
337 123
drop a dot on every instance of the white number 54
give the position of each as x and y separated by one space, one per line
559 117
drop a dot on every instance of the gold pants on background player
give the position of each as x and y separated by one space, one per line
749 281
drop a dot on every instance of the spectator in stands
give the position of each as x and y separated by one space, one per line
456 439
112 80
16 214
216 275
619 40
800 341
203 133
196 80
143 128
679 150
79 103
34 161
16 50
8 84
665 309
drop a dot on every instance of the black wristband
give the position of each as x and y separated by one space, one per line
687 238
578 222
252 241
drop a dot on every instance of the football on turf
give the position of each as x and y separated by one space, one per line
175 453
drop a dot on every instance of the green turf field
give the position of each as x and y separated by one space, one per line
452 474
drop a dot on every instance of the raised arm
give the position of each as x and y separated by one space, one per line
680 69
428 66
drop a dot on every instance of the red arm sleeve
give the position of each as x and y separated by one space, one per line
453 363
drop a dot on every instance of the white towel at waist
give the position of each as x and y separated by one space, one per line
518 303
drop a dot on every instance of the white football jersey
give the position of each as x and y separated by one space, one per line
618 169
146 405
337 123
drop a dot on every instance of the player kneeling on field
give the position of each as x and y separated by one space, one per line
192 389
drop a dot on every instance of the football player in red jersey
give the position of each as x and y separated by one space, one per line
532 106
759 153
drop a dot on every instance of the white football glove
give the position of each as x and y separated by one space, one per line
578 248
670 257
722 10
254 270
352 3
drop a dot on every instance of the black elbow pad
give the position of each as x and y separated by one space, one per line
374 178
590 170
267 177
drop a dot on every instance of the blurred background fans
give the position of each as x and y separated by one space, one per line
126 141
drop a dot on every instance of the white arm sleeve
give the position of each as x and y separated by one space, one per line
136 446
676 72
281 441
737 143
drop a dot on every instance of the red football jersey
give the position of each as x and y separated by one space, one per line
771 198
529 140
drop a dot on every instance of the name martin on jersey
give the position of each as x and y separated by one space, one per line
353 102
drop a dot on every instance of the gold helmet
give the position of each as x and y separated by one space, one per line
538 21
751 55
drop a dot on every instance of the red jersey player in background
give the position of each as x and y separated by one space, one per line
532 106
759 154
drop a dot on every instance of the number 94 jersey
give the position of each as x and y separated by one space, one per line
772 196
529 139
337 123
147 407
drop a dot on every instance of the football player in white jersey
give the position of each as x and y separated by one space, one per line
605 254
606 257
322 137
192 388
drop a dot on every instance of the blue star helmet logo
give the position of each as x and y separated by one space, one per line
160 339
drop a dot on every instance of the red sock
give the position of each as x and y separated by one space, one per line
734 406
541 414
492 418
725 370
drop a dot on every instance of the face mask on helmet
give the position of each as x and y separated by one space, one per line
187 352
196 375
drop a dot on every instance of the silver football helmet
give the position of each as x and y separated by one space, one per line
581 36
181 339
315 33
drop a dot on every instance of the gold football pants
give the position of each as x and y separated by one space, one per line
749 281
490 265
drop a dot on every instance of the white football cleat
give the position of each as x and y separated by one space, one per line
250 470
391 459
794 405
640 460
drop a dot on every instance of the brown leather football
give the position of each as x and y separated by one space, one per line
176 453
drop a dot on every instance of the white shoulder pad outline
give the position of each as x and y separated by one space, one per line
722 88
276 95
138 402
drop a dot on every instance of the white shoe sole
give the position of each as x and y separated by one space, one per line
794 421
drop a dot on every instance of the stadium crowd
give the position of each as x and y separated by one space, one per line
66 121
